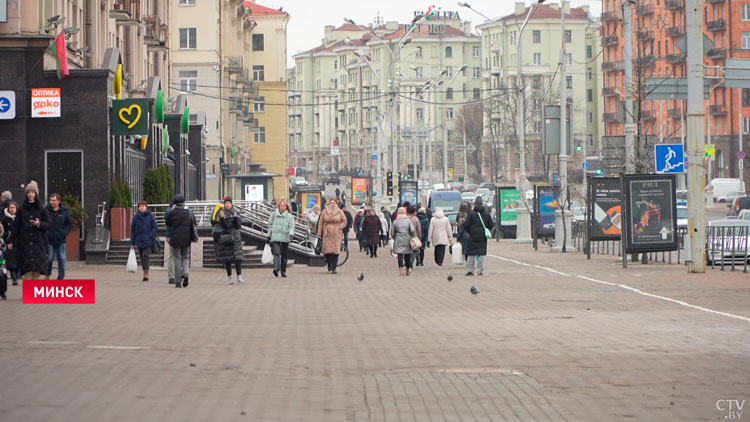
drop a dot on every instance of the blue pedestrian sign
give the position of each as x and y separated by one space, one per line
585 165
361 173
7 105
669 158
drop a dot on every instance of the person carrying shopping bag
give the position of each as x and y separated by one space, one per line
439 235
281 231
143 231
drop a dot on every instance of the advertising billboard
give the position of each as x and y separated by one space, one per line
254 193
509 200
360 190
605 201
650 213
546 201
308 201
409 190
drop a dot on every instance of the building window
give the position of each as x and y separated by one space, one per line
476 72
258 74
419 72
476 93
449 113
536 35
188 39
746 96
187 3
569 59
746 12
536 82
537 58
569 81
259 105
420 114
475 51
591 117
589 73
257 42
449 94
537 126
259 137
589 51
188 80
590 95
746 40
568 35
419 51
449 51
746 124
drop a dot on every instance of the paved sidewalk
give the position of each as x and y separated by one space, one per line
533 345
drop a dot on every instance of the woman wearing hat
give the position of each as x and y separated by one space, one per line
29 235
230 241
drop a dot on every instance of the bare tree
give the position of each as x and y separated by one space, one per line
472 117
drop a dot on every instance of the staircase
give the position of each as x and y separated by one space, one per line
251 256
120 249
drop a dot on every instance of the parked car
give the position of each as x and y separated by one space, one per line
682 216
299 180
723 190
468 196
448 201
484 193
471 188
490 186
738 204
744 215
332 179
727 241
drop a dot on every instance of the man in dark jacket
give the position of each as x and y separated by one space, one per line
58 231
181 223
475 225
349 222
424 223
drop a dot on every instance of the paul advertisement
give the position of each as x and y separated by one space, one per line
509 199
650 213
360 190
546 203
606 212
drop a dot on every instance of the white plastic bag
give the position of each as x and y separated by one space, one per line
132 262
390 245
267 257
458 254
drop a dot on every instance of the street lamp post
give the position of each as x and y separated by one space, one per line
523 232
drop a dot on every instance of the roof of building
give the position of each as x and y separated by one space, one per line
257 9
545 11
350 27
424 31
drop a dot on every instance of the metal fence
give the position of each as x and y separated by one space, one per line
727 246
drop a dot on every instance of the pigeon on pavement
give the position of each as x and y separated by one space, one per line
450 278
361 277
474 290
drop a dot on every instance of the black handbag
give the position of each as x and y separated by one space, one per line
226 239
319 246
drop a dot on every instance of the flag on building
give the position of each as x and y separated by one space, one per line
61 54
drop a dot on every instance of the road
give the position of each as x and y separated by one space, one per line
550 337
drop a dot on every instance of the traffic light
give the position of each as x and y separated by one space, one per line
389 183
578 147
599 171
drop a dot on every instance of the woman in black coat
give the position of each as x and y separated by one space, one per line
29 235
229 253
7 219
474 226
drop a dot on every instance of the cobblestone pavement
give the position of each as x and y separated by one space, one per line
550 337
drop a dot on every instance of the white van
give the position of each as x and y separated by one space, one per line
723 190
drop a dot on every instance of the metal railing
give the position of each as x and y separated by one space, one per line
614 246
727 246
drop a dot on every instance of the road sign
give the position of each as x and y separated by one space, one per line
670 88
669 158
471 148
741 154
7 105
710 151
374 159
585 165
335 147
682 44
45 102
737 73
361 173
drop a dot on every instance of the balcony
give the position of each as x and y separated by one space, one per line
126 12
609 92
645 9
675 58
645 35
235 104
714 1
609 66
610 40
718 110
154 32
235 64
674 4
717 25
675 31
717 53
610 117
609 16
645 61
674 113
647 115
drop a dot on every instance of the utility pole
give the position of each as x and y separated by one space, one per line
696 133
740 126
627 31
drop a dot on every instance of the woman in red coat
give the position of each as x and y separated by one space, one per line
372 228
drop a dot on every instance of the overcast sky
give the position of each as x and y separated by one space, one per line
308 17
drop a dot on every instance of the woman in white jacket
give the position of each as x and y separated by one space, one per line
440 234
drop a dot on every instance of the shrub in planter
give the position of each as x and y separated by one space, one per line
78 215
120 209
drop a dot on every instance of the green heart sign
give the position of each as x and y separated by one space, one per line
130 117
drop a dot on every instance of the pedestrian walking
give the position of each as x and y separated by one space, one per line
230 242
439 235
343 197
476 225
349 223
330 230
143 231
338 193
182 224
462 236
402 231
411 212
5 199
8 219
3 267
358 219
29 235
313 216
280 233
60 225
168 234
424 227
386 223
372 228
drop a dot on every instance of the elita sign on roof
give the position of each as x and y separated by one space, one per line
437 14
